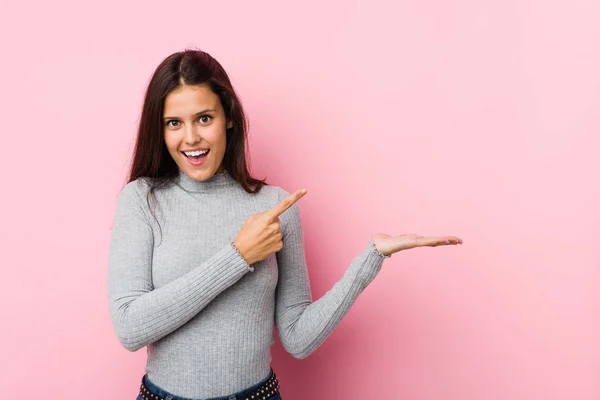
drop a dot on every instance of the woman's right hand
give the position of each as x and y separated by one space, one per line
260 236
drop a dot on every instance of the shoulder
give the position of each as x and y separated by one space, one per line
134 193
273 194
132 202
276 193
291 220
135 188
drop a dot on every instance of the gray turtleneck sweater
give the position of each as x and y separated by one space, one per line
181 288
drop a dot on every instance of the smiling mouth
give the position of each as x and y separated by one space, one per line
199 157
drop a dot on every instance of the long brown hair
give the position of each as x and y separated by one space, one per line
151 159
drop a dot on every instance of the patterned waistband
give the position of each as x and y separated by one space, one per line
262 392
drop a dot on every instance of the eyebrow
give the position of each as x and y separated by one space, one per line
195 115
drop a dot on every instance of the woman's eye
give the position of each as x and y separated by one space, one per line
205 119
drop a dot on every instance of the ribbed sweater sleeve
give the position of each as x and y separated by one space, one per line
140 313
302 325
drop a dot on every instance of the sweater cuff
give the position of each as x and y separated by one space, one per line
369 265
372 243
240 258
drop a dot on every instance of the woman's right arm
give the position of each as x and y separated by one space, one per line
140 313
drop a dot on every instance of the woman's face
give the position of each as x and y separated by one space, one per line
194 120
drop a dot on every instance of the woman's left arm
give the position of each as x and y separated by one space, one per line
302 325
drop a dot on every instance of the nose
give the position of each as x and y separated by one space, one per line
191 135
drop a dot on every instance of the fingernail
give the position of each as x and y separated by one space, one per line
303 191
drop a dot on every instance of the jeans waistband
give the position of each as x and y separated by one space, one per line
156 390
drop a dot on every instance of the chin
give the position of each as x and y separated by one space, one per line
202 175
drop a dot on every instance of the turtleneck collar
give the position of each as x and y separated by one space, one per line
217 181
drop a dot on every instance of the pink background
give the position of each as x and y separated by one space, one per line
479 119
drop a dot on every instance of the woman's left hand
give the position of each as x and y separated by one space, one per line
387 244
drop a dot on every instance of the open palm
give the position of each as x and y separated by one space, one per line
387 244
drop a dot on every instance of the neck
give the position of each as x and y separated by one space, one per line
219 181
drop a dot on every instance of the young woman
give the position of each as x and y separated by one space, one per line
205 259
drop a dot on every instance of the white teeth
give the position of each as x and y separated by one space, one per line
195 153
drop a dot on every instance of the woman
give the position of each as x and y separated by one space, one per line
204 258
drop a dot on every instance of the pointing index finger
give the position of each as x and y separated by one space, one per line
286 203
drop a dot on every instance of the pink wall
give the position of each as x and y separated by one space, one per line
471 118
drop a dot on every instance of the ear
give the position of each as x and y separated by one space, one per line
229 124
